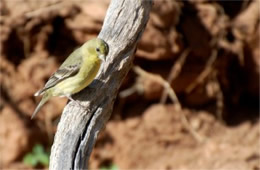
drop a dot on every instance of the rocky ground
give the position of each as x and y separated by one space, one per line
208 51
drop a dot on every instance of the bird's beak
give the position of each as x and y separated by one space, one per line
103 57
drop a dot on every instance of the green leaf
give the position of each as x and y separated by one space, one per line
38 149
114 167
37 156
110 167
30 159
43 159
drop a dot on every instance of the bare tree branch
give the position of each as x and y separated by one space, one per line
78 128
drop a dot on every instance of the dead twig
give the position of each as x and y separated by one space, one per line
204 74
172 96
219 98
159 80
46 10
175 71
127 92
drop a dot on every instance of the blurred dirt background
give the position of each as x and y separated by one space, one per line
208 51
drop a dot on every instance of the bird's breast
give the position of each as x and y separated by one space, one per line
89 70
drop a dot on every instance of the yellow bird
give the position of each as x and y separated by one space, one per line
76 72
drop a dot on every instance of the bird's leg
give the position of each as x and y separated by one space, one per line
80 105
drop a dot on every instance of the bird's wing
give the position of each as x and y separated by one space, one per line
69 68
61 74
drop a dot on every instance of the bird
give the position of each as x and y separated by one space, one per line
75 73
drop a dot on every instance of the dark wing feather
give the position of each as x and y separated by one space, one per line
62 74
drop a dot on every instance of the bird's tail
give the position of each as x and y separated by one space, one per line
46 96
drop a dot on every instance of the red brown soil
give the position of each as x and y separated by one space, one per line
143 133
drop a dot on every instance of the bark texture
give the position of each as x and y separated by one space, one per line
78 128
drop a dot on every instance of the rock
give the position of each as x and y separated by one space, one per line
16 137
246 29
160 40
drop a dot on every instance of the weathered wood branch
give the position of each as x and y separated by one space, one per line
78 128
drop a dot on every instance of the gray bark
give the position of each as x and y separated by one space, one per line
78 128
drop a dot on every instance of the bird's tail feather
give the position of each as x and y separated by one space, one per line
44 99
38 93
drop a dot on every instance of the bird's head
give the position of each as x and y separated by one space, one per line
97 47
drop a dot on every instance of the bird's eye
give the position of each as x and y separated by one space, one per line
97 49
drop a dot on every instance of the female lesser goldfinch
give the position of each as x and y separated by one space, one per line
76 73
